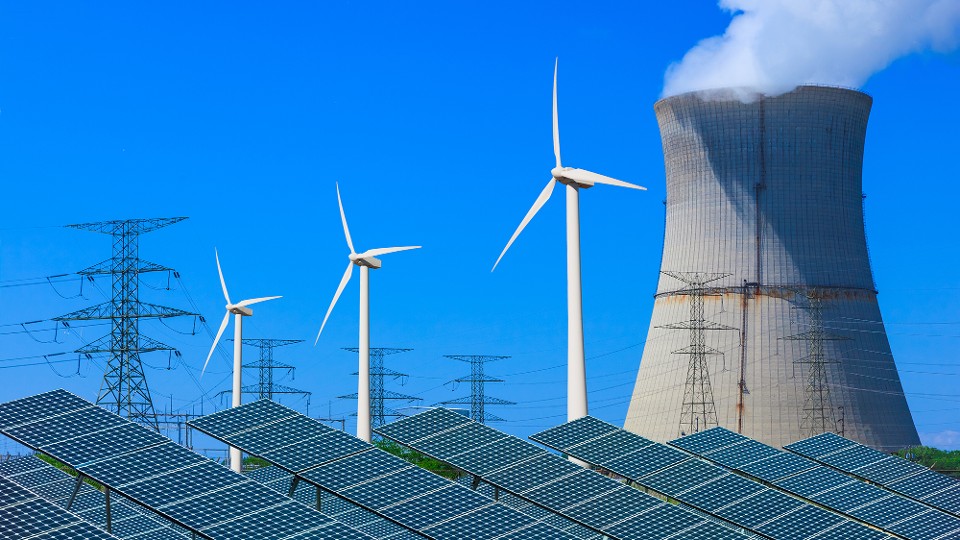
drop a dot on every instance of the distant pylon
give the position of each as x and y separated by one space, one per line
818 407
478 399
699 412
124 389
265 366
379 395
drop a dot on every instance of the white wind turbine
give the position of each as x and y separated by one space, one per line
239 311
575 180
366 261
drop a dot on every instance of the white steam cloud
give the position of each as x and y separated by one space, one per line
773 46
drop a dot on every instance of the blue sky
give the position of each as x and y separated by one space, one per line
435 119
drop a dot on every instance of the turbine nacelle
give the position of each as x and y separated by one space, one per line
362 259
239 310
557 173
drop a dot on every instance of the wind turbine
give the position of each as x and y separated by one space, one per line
574 180
239 311
366 261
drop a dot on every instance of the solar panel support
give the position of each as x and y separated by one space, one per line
76 489
106 496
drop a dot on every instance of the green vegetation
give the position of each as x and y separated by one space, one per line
66 468
250 463
418 459
945 461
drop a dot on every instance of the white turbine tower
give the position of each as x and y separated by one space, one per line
575 180
366 261
239 311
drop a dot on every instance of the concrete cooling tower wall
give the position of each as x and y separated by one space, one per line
766 319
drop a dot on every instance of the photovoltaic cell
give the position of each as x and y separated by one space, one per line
232 421
24 515
56 486
707 441
99 452
38 407
777 467
575 432
428 423
381 490
710 488
891 472
496 463
611 445
819 445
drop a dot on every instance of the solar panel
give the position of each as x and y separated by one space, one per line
135 462
711 489
898 475
796 475
566 491
369 478
777 467
24 515
611 445
820 445
575 432
56 486
428 423
707 441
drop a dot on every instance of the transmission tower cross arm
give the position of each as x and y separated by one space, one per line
126 226
110 266
106 344
108 310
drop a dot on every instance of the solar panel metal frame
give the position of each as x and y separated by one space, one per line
604 531
5 413
300 475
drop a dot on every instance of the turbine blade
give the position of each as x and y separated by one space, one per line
252 301
580 175
343 218
384 251
343 283
223 326
556 121
544 196
223 283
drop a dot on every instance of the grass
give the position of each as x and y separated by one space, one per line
947 461
66 468
418 459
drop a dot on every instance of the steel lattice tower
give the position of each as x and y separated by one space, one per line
478 399
124 389
265 366
699 412
379 395
818 404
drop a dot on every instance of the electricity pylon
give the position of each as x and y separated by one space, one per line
124 389
478 399
699 412
379 395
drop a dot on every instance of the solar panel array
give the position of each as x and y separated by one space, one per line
377 482
693 482
892 472
147 468
549 481
24 515
808 479
129 521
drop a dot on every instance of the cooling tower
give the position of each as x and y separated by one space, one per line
766 319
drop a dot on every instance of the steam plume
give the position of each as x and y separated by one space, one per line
772 46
